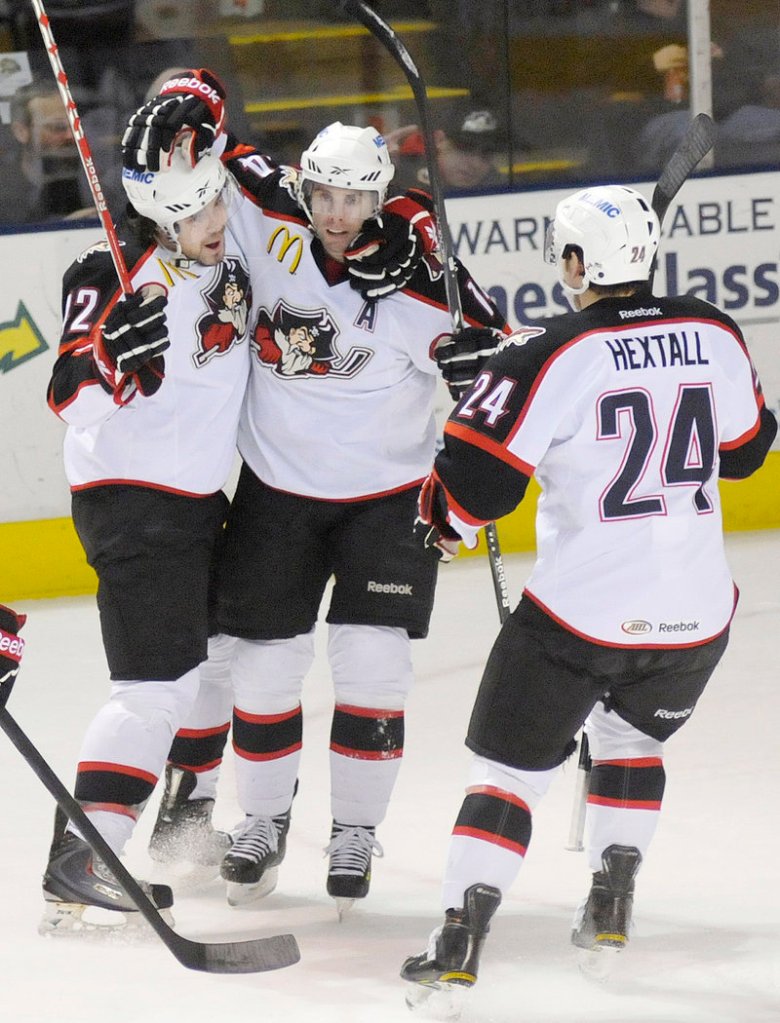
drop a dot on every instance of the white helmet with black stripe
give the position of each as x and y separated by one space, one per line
177 191
614 227
346 156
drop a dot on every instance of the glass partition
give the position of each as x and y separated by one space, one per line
522 93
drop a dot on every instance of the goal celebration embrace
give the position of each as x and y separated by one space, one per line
293 413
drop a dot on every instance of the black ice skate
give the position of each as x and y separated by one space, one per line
76 881
442 975
184 839
603 920
350 850
251 867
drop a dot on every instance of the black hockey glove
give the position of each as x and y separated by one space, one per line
131 343
462 356
384 256
193 102
431 527
11 650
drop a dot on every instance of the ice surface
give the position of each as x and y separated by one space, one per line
707 941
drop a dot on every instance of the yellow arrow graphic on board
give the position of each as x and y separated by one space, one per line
20 340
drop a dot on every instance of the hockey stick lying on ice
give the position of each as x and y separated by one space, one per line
254 956
85 153
385 34
698 140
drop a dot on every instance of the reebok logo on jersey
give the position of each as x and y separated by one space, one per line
402 589
629 314
678 626
673 715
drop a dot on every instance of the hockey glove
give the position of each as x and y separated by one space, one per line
192 102
462 356
131 342
385 255
11 650
431 527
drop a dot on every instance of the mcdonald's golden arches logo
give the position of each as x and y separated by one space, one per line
288 242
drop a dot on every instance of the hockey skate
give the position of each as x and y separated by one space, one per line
441 977
603 920
77 883
350 850
251 867
184 841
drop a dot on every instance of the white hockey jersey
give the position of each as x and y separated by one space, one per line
339 404
183 437
625 415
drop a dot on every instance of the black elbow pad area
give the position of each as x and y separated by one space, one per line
484 486
739 463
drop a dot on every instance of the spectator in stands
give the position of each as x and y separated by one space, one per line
750 137
466 153
41 170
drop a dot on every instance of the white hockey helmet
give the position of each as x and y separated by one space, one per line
176 191
616 229
346 156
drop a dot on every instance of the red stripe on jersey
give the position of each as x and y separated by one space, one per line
137 483
638 762
728 445
56 407
356 500
132 772
366 754
625 804
368 712
490 790
266 719
629 646
120 808
275 755
201 733
488 836
492 447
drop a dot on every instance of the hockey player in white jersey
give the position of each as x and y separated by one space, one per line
337 433
626 411
151 387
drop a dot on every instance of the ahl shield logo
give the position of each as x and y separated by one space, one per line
637 627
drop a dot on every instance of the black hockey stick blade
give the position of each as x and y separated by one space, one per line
698 140
254 956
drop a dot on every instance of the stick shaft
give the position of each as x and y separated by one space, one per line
85 153
379 28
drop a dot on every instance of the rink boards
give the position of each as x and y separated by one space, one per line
721 242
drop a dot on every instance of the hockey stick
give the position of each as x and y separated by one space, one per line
254 956
698 140
85 153
385 34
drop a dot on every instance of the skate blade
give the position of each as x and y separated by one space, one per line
437 1001
76 920
598 964
343 906
244 894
